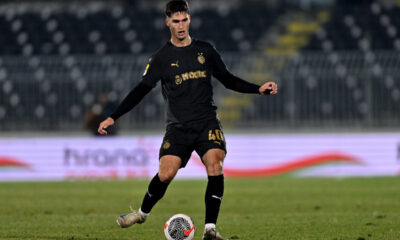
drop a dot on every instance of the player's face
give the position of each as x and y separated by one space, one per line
178 24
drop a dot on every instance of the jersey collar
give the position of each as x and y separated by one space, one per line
185 47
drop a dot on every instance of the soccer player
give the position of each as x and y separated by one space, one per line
185 66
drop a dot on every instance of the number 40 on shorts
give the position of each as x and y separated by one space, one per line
215 134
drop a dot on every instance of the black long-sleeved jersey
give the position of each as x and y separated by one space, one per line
185 74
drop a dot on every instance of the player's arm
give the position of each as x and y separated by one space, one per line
129 102
135 96
235 83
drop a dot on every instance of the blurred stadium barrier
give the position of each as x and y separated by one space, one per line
296 155
317 90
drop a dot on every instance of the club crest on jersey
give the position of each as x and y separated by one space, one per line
201 58
166 144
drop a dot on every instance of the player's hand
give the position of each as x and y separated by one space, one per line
268 88
104 125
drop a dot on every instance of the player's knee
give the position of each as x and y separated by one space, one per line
166 175
215 167
213 160
214 155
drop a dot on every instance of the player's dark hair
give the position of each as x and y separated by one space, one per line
174 6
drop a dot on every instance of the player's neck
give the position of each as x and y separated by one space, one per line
181 43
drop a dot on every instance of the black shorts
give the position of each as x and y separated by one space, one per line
182 139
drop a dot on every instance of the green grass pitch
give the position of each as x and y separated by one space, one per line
252 209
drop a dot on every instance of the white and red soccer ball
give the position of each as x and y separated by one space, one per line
179 227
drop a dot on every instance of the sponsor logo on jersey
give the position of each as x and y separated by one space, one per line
201 58
190 75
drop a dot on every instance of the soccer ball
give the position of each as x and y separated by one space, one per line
179 227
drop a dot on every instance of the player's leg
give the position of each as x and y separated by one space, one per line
211 147
168 167
175 152
213 161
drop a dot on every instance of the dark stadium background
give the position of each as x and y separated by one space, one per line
336 62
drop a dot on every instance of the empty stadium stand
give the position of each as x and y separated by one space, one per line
341 70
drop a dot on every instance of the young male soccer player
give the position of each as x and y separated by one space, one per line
185 66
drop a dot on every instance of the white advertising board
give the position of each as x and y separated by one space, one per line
305 155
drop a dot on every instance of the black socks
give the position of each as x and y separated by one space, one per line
213 198
154 193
